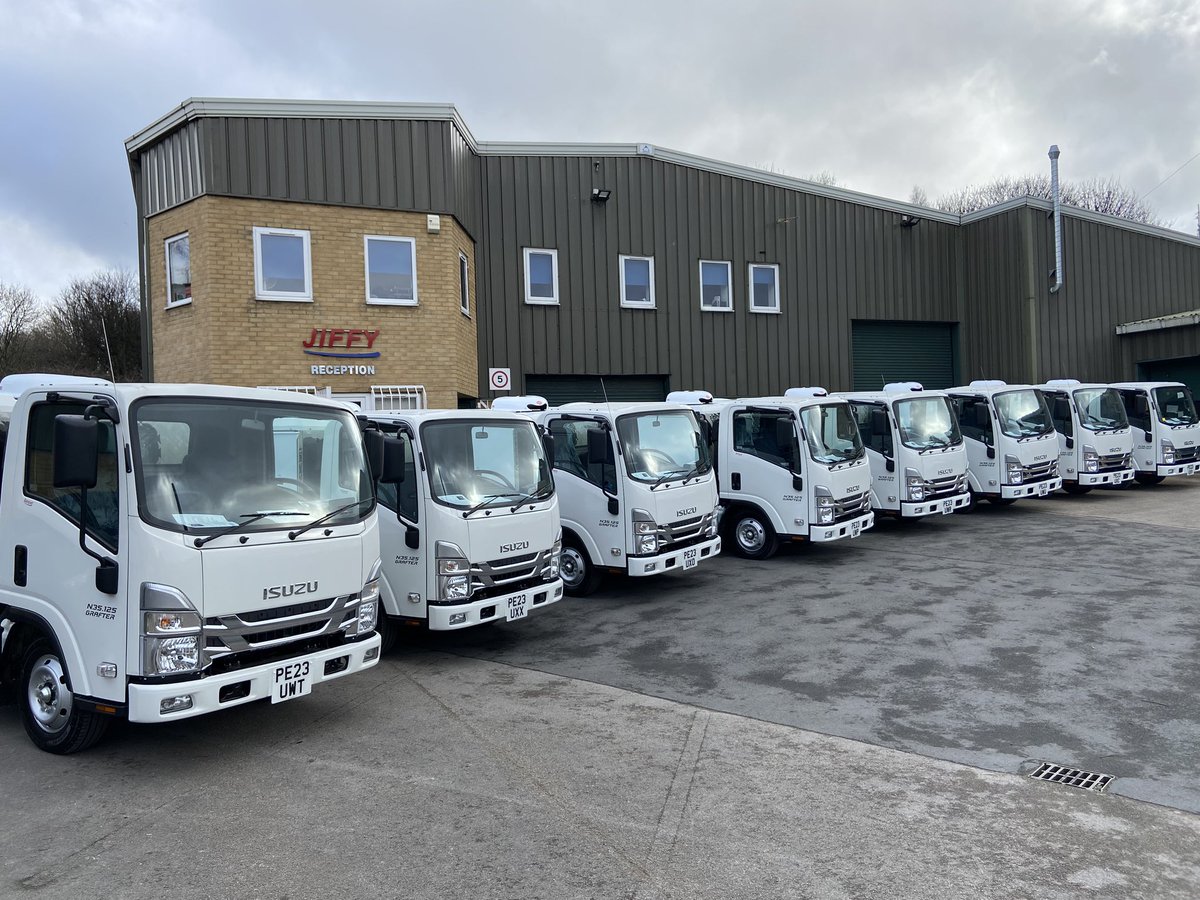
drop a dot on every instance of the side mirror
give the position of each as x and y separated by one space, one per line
890 464
705 429
785 432
879 422
548 446
373 447
391 468
76 452
599 446
797 483
1070 442
412 537
991 452
614 508
1149 437
106 577
983 419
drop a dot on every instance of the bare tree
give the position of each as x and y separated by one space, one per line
824 177
94 318
18 313
1104 195
918 197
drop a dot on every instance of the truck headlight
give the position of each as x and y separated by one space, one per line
171 655
711 530
1091 460
1168 453
454 572
916 487
824 508
171 635
647 544
368 613
1014 472
1054 468
456 587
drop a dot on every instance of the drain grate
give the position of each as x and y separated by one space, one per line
1088 781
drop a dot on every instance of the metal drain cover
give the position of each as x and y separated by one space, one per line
1088 781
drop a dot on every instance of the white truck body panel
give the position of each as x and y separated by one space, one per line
1080 439
1167 427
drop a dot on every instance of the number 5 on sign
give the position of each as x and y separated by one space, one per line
500 379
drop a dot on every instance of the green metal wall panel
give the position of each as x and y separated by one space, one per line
559 389
903 351
1186 370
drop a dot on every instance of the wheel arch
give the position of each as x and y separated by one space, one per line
26 628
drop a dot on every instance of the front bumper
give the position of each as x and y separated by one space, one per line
493 609
1181 469
672 560
945 505
1118 477
145 699
851 528
1042 488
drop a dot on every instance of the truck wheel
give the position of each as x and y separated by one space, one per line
752 535
1147 478
48 710
388 632
971 504
1074 487
579 576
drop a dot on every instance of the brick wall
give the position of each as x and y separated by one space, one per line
227 336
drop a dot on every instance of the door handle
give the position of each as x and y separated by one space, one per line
21 565
735 480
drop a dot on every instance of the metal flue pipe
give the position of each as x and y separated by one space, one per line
1058 248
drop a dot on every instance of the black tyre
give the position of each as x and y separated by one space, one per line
751 535
580 577
388 630
1147 478
1074 487
51 717
971 504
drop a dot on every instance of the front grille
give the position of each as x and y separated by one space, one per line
1115 461
944 487
685 531
852 507
282 612
506 576
1186 454
1038 471
263 628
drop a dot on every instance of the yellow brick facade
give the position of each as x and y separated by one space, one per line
227 336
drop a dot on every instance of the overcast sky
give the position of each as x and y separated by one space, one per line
884 95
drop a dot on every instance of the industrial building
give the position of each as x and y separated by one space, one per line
380 250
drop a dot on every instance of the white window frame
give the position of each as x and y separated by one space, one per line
262 293
776 309
167 258
464 284
630 304
412 249
541 301
729 276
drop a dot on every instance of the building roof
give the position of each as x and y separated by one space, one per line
1158 323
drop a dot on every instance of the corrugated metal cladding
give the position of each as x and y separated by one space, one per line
838 261
422 166
885 352
171 172
559 389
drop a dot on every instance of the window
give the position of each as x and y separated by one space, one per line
103 512
764 288
464 285
402 497
974 418
391 269
179 271
637 281
282 264
770 436
1060 413
1137 409
574 444
874 427
716 286
541 276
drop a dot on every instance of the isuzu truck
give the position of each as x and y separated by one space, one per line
635 488
474 535
788 468
1012 447
171 550
1166 430
916 451
1095 442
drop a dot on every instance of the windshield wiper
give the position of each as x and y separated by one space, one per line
292 535
668 476
532 495
250 518
486 500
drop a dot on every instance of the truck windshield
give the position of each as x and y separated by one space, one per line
1023 414
662 445
209 464
1175 406
927 422
831 433
476 463
1100 409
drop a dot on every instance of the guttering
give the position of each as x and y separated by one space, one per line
1161 323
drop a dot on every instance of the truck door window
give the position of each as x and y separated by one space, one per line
972 413
402 497
1137 409
1060 413
103 513
875 432
757 434
571 453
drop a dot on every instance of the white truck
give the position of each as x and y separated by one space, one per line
474 534
788 468
1012 448
1095 442
172 550
917 454
1166 429
635 488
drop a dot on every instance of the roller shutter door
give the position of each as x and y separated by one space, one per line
903 351
559 389
1185 370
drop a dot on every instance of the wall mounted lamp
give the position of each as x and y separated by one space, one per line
600 195
907 221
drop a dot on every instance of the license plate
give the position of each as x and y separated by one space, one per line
1190 470
292 680
947 507
1043 489
855 529
690 558
516 607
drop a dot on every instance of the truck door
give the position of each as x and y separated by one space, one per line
1064 424
1141 423
975 423
765 458
875 429
406 577
585 477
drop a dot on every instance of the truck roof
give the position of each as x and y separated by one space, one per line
990 388
794 402
1147 385
449 415
619 408
887 396
1070 384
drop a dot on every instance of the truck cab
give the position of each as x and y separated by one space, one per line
178 549
470 530
635 486
1012 447
1166 429
915 448
1095 441
788 468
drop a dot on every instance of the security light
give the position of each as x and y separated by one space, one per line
600 195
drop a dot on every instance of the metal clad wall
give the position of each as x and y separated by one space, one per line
170 170
838 261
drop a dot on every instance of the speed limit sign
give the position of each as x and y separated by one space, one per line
500 379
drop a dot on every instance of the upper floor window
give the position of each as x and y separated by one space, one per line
282 264
764 288
637 281
179 270
541 276
391 269
716 286
464 282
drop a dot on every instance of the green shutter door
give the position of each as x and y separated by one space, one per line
903 351
1186 370
559 389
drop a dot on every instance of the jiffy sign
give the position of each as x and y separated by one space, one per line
342 343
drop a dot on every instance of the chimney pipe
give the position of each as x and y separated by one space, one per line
1058 251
